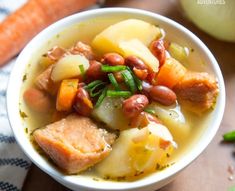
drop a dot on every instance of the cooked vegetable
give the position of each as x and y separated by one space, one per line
118 93
162 95
178 52
101 97
173 118
113 81
134 105
137 80
69 67
82 103
66 94
129 80
110 113
25 21
113 59
140 151
135 62
97 89
107 68
137 48
170 73
158 49
109 39
229 136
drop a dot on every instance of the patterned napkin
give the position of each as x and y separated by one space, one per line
13 163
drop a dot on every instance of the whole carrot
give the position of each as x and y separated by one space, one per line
19 27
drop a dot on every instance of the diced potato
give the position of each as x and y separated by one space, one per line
174 119
109 39
138 151
69 67
137 48
178 52
110 113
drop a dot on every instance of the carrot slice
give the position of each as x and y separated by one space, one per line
19 27
66 94
170 73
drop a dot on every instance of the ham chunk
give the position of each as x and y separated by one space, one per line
74 143
198 91
44 82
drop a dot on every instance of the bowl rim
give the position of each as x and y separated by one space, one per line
181 164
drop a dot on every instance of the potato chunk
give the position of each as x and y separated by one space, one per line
138 151
137 48
108 40
69 67
173 118
110 113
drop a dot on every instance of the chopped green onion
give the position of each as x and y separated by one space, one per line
92 84
96 90
114 93
107 68
82 70
230 136
113 81
101 98
151 111
129 80
137 80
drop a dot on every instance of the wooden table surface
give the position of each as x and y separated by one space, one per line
209 172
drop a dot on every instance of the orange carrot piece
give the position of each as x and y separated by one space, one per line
19 27
170 73
66 94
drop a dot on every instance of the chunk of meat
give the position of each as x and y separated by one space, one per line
74 143
198 91
55 53
37 100
83 49
44 81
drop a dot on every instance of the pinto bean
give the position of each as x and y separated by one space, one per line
158 49
83 104
37 100
113 59
118 76
141 74
162 94
134 105
134 61
94 71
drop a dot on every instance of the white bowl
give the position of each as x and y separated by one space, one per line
154 181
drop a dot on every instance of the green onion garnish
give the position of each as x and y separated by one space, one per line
97 89
107 68
129 80
115 93
101 98
230 136
82 70
113 81
92 84
137 80
151 111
